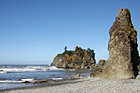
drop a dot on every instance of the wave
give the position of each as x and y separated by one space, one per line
28 69
57 78
22 81
28 80
54 68
8 81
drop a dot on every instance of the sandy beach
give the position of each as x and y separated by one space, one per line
86 85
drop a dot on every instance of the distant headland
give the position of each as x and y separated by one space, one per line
77 59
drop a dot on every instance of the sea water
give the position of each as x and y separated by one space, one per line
12 76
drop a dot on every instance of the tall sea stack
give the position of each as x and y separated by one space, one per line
123 54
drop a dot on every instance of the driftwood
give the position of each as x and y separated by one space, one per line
42 81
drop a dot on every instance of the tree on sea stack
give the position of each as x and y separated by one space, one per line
65 48
123 54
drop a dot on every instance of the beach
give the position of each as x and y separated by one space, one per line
86 85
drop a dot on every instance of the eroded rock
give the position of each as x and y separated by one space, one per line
78 59
101 64
123 54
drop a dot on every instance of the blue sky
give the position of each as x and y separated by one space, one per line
35 31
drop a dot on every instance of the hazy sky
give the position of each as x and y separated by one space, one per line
35 31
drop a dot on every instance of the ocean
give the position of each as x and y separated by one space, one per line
13 76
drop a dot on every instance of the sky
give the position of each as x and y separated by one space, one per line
35 31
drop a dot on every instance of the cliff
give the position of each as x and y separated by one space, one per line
77 59
123 54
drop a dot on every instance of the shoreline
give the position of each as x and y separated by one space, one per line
50 83
85 85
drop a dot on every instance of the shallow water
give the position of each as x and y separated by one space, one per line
11 75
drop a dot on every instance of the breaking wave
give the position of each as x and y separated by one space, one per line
10 69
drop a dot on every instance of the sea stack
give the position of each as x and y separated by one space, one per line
77 59
123 54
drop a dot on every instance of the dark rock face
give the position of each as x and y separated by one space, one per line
78 59
123 54
139 67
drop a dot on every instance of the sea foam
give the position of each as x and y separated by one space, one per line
27 69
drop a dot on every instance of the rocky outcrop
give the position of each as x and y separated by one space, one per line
123 54
78 59
101 64
97 70
138 69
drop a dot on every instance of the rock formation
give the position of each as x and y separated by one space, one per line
101 64
97 70
78 59
139 59
139 67
123 54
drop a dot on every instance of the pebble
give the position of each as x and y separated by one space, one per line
88 85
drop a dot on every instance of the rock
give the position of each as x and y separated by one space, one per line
139 59
42 81
138 77
123 54
138 69
78 59
53 75
58 61
97 70
77 76
101 64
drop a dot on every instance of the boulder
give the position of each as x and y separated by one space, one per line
101 64
138 77
97 70
77 76
123 54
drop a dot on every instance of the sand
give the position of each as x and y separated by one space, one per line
87 85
